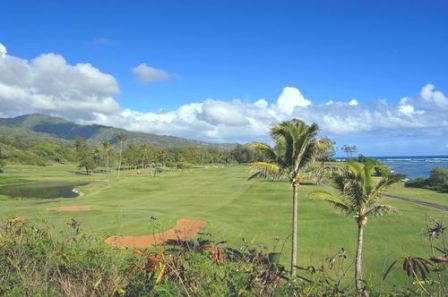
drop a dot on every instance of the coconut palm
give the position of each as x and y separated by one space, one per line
360 196
121 139
295 149
107 149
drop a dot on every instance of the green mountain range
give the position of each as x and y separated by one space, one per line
39 127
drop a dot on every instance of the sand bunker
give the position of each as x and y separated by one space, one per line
184 230
71 208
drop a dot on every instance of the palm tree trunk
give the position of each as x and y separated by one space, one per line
119 162
358 263
295 188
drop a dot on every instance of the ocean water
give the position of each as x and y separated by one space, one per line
415 166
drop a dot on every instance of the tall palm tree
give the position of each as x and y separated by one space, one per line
360 196
121 137
107 148
295 149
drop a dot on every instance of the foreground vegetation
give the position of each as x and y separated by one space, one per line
37 261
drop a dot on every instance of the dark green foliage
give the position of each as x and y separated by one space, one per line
35 152
379 168
184 165
419 182
43 128
438 181
382 170
438 177
86 157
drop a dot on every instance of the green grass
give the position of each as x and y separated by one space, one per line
235 208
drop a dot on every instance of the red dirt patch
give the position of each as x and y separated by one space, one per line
71 208
184 230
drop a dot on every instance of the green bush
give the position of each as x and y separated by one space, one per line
419 182
184 165
438 181
34 262
382 170
438 177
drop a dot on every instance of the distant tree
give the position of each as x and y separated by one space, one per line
84 155
326 149
121 139
438 177
295 149
360 197
350 150
107 149
2 159
158 169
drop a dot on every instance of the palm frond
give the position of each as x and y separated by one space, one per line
338 202
264 149
380 210
285 140
265 170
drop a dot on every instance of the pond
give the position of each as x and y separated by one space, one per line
48 190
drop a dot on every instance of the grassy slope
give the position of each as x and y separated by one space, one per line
235 208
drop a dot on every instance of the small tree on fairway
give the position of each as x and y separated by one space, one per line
84 155
360 197
295 149
106 148
121 139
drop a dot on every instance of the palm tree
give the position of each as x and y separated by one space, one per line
107 148
121 137
360 196
295 149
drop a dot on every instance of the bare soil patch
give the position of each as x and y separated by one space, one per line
71 208
184 230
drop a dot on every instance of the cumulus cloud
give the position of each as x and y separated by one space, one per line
245 121
291 98
433 97
83 93
145 73
48 84
3 51
353 102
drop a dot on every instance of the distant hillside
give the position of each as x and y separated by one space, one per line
42 127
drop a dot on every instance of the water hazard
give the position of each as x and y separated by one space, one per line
48 190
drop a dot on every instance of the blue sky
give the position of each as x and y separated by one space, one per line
205 64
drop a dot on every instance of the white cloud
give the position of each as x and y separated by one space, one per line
353 102
146 73
48 84
405 107
82 93
432 96
3 51
291 98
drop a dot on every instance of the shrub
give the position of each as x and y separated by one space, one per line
419 182
34 262
184 165
438 177
382 170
